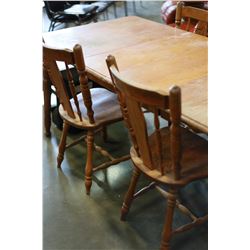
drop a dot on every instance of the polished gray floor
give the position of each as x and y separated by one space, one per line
73 220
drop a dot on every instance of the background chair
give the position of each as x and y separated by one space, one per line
171 157
168 9
66 12
103 6
197 19
91 109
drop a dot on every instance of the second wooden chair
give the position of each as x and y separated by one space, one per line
198 16
91 109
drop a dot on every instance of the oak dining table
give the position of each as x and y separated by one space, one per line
153 55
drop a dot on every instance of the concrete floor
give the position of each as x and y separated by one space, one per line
73 220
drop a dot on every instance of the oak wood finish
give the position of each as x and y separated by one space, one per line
178 57
91 109
192 13
171 156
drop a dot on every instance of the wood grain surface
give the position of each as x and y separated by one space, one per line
151 54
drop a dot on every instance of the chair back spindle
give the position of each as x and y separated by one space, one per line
175 134
72 90
81 69
158 138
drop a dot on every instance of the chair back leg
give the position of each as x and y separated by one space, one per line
62 144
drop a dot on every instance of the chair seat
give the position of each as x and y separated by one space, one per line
194 158
102 5
80 9
104 104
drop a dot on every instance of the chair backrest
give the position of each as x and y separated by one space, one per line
55 6
132 100
51 57
192 14
52 7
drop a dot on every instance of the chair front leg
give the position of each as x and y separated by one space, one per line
50 26
62 144
89 162
167 229
130 193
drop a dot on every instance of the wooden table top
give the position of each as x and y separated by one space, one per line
153 55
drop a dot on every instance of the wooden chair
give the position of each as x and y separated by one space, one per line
192 14
170 156
91 109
